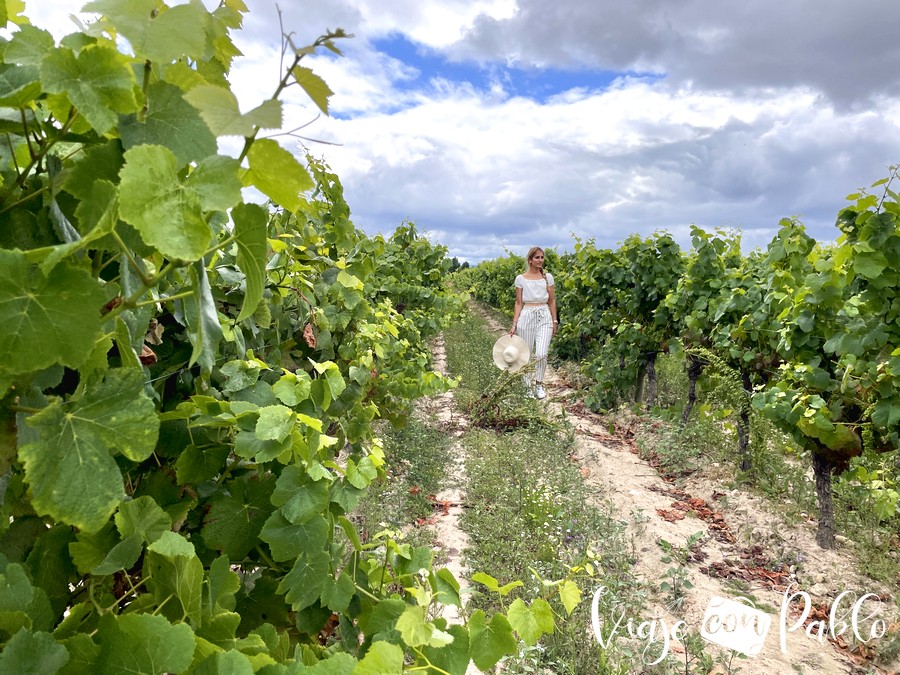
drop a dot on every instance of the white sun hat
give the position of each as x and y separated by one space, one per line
511 353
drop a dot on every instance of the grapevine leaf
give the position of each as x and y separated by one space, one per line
143 517
216 182
287 540
886 413
175 577
19 85
70 469
362 474
83 654
570 595
97 216
413 626
196 464
123 344
543 614
250 237
21 604
490 642
306 580
219 109
234 521
202 320
46 319
524 622
97 163
144 644
166 213
447 588
381 620
97 81
90 548
51 566
340 664
172 122
223 585
869 265
299 497
247 445
453 658
159 36
338 593
225 663
122 556
277 174
381 658
275 423
29 652
28 46
314 86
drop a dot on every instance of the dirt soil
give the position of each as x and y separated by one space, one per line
742 536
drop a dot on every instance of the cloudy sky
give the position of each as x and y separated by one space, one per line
495 125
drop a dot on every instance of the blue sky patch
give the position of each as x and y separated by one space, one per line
538 84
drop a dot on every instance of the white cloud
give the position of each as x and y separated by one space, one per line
762 111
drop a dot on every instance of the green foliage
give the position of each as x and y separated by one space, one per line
190 384
806 334
618 320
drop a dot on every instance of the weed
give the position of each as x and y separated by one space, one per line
675 582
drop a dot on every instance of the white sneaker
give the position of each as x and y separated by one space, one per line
529 392
539 392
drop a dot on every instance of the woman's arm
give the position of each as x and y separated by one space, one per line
516 311
552 302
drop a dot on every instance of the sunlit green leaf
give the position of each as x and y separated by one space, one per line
570 594
306 580
219 109
314 86
299 497
28 46
159 36
287 540
144 644
277 174
97 81
275 423
166 212
381 658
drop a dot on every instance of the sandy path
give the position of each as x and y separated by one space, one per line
441 412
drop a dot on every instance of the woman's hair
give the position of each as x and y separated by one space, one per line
531 253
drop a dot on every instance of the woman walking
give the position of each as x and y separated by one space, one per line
534 318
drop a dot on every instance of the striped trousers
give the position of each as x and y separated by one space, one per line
535 326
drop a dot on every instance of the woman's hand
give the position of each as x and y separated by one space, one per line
555 327
512 331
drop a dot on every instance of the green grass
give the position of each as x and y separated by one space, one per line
529 518
415 465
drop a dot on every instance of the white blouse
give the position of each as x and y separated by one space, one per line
535 290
